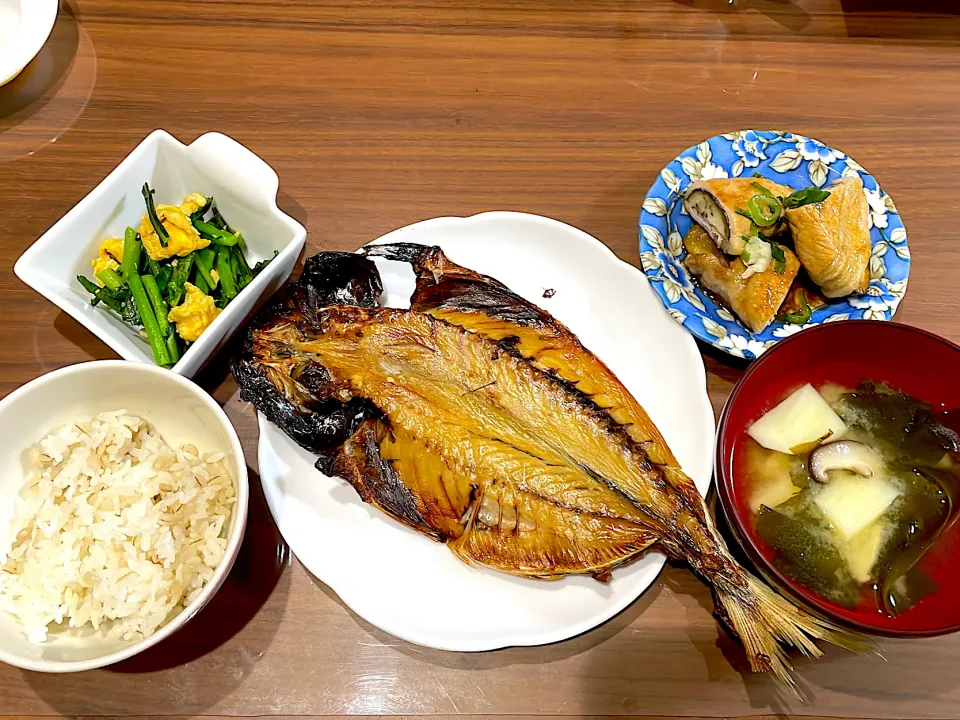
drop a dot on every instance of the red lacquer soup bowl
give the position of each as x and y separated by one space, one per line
912 361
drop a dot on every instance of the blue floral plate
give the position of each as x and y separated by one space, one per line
785 158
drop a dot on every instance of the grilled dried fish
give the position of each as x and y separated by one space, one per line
480 421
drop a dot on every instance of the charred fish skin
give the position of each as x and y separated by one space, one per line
375 480
444 284
313 410
340 278
318 425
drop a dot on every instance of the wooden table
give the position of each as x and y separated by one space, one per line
376 115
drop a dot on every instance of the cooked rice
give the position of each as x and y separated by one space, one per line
115 531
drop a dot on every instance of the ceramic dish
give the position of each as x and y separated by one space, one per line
391 576
245 189
180 411
908 359
25 26
788 159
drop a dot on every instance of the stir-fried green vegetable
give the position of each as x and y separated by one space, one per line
119 300
175 294
152 214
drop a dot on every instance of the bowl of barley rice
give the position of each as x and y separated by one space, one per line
123 503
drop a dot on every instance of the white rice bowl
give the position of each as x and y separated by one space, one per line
115 532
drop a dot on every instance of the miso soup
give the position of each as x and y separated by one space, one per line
851 488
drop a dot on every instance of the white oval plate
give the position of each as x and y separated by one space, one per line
414 588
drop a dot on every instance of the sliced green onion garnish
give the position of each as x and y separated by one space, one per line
764 211
805 197
779 259
801 316
761 190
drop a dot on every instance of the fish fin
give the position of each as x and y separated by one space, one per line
339 278
766 623
414 253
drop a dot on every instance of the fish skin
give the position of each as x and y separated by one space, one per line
486 306
466 392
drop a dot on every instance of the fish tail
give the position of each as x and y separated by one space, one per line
767 624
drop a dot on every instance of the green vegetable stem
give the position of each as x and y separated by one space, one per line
199 282
779 259
157 302
221 222
173 347
131 259
201 211
179 276
258 268
214 234
204 261
244 273
158 227
119 300
225 269
110 279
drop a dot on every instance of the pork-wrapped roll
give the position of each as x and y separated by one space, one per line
754 296
832 238
723 208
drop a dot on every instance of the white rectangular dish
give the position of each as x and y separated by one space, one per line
245 190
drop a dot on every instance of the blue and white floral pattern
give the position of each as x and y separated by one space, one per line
788 159
749 148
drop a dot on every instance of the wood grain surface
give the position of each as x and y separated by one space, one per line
378 114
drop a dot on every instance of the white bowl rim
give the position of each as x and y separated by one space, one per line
233 541
37 18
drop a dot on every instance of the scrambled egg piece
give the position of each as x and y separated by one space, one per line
108 256
193 202
184 238
194 314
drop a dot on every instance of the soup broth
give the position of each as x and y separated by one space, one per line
852 513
